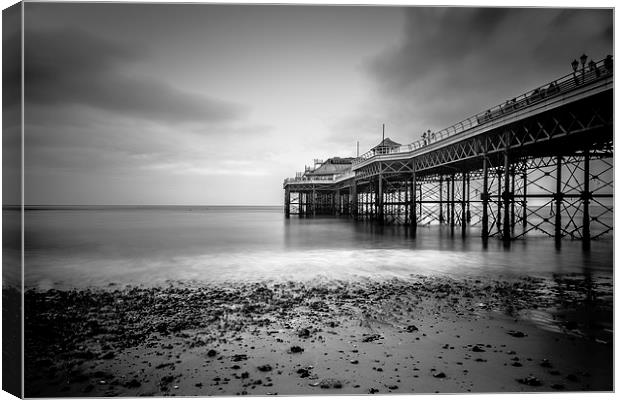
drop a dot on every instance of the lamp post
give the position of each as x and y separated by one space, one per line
583 59
575 64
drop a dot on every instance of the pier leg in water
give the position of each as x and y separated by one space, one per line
485 200
287 203
524 202
379 200
440 199
419 215
506 196
452 198
464 206
414 217
337 203
468 199
558 203
586 201
407 204
498 217
512 203
313 201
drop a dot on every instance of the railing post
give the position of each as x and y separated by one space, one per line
586 201
558 203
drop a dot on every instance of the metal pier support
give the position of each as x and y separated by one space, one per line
452 206
524 203
485 199
407 204
512 203
336 201
313 201
586 202
287 203
463 206
558 203
379 201
441 199
414 218
353 200
498 217
506 196
468 199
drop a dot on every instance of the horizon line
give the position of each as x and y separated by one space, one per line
142 205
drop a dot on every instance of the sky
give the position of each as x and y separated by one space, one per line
217 104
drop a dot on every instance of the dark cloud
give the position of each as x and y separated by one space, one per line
494 40
73 66
454 62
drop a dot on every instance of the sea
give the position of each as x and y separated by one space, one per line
95 246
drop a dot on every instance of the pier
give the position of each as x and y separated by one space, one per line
539 164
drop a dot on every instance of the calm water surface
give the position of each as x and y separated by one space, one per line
90 246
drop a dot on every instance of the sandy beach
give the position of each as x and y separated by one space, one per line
417 335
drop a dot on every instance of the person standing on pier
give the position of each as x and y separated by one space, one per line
609 64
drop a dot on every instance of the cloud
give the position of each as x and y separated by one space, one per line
454 62
73 66
493 40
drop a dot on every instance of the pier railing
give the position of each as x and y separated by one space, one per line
592 73
321 179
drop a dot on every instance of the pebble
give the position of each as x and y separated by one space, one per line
296 349
530 380
303 373
330 383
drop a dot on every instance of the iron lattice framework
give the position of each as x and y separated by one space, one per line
546 171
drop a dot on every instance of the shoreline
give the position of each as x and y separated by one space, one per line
418 335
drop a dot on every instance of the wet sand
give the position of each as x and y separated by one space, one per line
417 335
